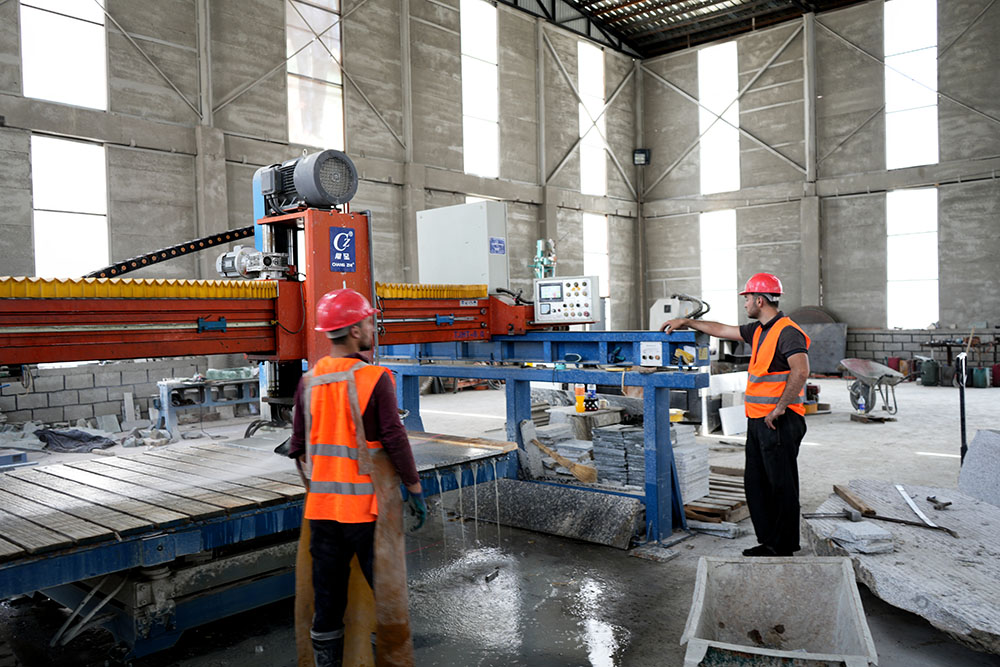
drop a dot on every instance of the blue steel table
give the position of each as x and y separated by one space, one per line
664 505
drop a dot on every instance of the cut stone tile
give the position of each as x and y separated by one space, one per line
981 469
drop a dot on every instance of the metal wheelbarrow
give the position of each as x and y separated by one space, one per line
872 379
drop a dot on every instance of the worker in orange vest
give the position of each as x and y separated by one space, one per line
353 451
779 366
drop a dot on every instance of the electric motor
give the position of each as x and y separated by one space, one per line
325 180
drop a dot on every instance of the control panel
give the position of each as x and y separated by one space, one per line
572 300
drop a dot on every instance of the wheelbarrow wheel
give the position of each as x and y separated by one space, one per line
858 389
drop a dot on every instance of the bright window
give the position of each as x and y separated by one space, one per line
64 53
911 258
593 163
911 122
595 257
719 281
480 89
315 83
719 148
70 202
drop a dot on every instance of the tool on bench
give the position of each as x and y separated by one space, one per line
939 503
868 512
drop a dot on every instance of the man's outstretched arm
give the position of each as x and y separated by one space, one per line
716 329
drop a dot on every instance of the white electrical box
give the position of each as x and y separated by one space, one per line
652 353
668 309
572 300
463 245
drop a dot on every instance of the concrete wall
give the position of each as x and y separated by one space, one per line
180 163
833 253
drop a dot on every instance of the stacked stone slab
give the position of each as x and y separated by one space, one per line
619 454
691 460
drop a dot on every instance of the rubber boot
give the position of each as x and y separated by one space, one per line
328 648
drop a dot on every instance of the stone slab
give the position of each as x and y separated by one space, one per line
863 537
981 469
954 583
600 518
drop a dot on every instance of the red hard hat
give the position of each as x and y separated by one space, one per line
341 308
763 283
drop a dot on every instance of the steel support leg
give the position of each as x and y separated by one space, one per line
408 397
518 408
663 501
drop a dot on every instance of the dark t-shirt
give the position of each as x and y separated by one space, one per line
790 341
381 420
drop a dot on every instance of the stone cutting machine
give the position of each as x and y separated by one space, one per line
158 543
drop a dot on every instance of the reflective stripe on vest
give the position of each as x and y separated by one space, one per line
338 490
764 389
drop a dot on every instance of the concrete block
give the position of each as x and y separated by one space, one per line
47 383
107 378
95 395
877 347
18 416
74 412
8 403
79 381
14 388
32 401
47 415
901 338
864 337
181 372
884 338
60 398
108 408
981 470
133 377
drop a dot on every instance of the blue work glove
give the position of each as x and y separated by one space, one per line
418 508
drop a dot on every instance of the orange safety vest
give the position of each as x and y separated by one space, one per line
764 388
338 490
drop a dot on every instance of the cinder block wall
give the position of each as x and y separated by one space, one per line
880 344
91 390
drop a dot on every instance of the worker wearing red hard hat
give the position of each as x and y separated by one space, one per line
353 451
779 366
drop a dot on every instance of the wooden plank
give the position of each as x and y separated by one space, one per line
122 524
144 493
726 471
151 513
194 464
9 550
737 514
99 467
234 468
76 529
152 468
30 536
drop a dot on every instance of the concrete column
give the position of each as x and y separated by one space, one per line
415 178
810 251
641 317
211 197
550 215
809 95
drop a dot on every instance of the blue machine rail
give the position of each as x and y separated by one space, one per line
585 347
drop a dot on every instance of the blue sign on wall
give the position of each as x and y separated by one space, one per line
342 257
498 246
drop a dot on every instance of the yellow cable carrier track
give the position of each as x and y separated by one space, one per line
413 291
134 288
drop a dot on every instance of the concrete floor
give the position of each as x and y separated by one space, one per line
557 602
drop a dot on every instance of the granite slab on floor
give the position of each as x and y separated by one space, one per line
954 583
600 518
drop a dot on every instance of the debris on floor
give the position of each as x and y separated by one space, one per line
953 583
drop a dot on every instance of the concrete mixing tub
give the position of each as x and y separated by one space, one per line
777 611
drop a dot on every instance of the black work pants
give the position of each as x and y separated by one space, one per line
332 546
771 479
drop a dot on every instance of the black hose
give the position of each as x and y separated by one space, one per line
518 299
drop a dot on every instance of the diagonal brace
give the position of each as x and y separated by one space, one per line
593 121
348 76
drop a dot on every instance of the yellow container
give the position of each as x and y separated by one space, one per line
579 403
